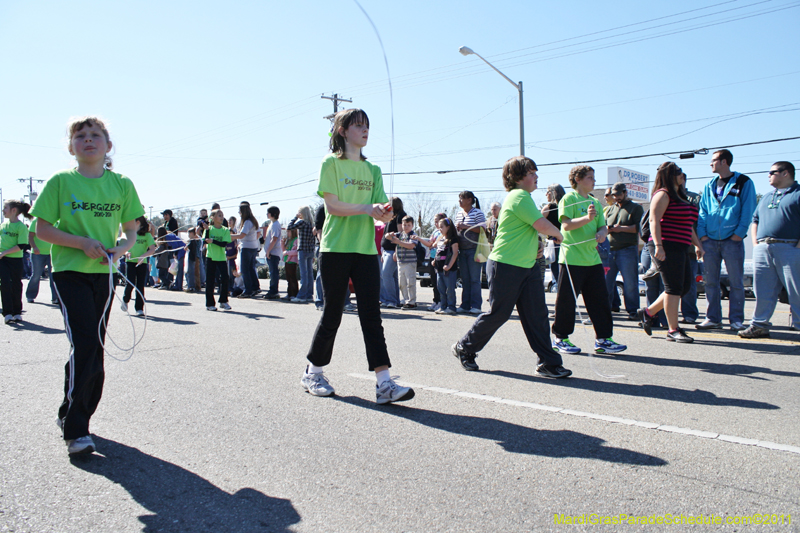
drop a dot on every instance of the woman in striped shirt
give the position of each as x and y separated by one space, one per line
672 219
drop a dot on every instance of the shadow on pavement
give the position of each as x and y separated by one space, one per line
167 302
182 500
658 392
171 320
712 368
513 437
38 328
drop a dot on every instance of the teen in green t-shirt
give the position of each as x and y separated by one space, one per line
353 192
136 266
40 259
88 203
514 277
217 237
581 271
13 239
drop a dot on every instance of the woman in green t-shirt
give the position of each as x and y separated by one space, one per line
13 239
515 278
354 197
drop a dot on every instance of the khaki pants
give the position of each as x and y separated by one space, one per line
407 278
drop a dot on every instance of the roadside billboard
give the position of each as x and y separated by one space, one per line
638 184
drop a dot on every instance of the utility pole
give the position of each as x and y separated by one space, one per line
335 98
31 195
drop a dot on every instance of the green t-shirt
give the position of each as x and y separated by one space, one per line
143 242
44 247
517 242
573 205
223 234
12 234
88 207
353 182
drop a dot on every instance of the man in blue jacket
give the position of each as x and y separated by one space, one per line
726 210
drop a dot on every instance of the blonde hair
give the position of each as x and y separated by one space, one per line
76 124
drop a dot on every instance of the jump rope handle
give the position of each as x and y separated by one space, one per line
387 206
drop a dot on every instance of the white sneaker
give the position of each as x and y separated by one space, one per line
17 318
124 307
434 307
389 391
140 313
737 326
225 306
587 322
9 318
211 308
80 445
317 384
475 311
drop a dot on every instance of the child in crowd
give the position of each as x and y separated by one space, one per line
431 244
137 266
273 251
163 256
406 258
583 227
290 265
514 276
347 252
192 258
88 204
445 264
13 239
40 257
217 237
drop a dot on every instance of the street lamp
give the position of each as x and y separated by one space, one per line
465 51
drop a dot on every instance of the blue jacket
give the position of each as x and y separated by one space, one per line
176 243
719 220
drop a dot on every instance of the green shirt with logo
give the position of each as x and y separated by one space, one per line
44 247
353 182
517 243
573 206
87 207
11 235
143 242
222 234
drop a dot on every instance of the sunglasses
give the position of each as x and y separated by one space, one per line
773 172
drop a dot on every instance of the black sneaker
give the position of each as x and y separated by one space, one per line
467 359
679 336
550 371
652 273
646 321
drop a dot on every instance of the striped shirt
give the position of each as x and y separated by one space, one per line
468 240
678 221
306 238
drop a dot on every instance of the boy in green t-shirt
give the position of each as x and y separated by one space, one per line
580 268
515 278
217 238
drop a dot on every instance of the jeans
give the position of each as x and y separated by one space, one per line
274 273
511 286
39 261
625 260
390 286
202 280
732 252
689 301
447 289
191 281
306 262
178 285
470 272
249 275
775 266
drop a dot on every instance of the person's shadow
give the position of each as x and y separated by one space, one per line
181 500
515 438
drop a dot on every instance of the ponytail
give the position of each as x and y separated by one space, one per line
22 208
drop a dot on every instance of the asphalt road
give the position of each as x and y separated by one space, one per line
206 428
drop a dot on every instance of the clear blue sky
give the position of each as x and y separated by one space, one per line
214 100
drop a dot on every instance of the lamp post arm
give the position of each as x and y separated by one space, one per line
495 69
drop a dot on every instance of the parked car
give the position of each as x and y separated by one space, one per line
725 283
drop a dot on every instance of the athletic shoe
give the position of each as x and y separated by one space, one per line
475 311
646 321
389 391
450 311
708 324
211 308
565 346
392 306
608 346
440 311
9 318
435 307
80 445
124 306
17 318
754 332
272 296
351 308
317 384
467 359
552 371
462 311
688 320
245 295
30 300
296 300
652 273
226 306
587 322
409 306
139 312
679 335
633 316
737 326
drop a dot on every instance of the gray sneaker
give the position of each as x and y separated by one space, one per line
389 391
317 385
708 324
754 332
80 445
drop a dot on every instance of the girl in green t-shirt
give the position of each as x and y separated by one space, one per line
137 266
13 239
89 203
354 198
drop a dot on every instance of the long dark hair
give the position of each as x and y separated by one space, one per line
468 194
666 176
247 214
343 120
450 234
144 226
22 207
